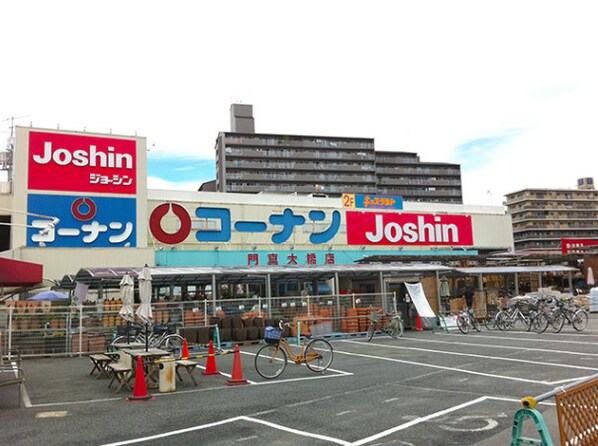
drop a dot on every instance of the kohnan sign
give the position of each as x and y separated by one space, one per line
374 228
78 163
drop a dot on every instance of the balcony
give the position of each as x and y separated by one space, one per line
299 142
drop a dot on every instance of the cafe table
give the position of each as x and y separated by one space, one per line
147 357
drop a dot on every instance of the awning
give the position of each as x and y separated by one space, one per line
17 273
198 275
488 270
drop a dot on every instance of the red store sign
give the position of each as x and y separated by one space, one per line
576 245
78 163
372 228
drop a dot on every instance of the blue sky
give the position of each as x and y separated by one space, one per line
179 172
508 89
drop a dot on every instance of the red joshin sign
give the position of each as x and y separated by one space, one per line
372 228
81 163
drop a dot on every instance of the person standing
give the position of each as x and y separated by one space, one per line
468 293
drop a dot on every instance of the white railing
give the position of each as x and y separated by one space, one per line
43 330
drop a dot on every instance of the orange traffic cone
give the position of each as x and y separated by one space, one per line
211 363
140 390
185 354
418 323
237 375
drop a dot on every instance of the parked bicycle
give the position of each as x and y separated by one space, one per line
538 315
566 313
490 318
514 315
163 337
466 320
271 360
389 323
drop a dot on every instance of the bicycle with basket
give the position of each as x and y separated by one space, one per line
271 359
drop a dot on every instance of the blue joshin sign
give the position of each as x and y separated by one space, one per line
98 222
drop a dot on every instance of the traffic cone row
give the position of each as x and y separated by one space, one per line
140 391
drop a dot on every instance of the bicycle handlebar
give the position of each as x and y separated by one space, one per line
282 324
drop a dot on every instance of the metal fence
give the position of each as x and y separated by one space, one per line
42 329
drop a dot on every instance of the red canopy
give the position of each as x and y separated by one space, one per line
19 273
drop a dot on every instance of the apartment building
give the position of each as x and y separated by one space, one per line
543 217
249 162
402 173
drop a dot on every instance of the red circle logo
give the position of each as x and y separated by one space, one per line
83 209
156 226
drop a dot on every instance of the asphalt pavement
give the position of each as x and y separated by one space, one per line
422 389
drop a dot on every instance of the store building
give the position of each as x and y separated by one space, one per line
80 200
249 162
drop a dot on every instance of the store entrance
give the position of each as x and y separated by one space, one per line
399 290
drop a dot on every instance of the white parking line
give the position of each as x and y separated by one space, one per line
371 438
453 369
232 420
417 421
506 347
473 355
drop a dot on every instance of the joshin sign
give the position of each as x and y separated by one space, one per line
372 228
81 163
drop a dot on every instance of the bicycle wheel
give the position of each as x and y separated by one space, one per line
120 340
540 323
490 322
527 321
558 320
580 320
270 361
502 321
463 324
318 355
475 323
370 333
401 326
174 344
392 328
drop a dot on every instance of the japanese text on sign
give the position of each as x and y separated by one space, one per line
361 201
285 223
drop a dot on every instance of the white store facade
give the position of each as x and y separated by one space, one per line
80 200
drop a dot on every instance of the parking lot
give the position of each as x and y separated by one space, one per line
422 389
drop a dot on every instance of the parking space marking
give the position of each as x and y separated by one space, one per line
453 369
473 355
418 421
507 347
233 420
303 433
552 341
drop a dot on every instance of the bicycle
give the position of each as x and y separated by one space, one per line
271 360
506 319
161 337
578 317
490 318
466 319
392 324
539 320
